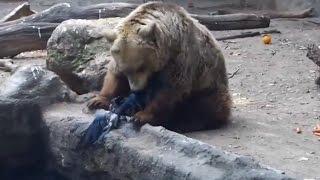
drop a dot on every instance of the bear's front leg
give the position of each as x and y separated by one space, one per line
159 109
114 85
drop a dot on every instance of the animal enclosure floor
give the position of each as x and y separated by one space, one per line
273 93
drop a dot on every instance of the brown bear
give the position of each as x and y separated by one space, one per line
161 39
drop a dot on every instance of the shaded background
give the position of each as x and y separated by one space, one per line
279 5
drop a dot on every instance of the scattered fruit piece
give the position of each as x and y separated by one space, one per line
266 39
298 130
316 129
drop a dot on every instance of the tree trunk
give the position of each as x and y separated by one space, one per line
32 32
233 21
24 37
20 11
301 14
62 12
271 14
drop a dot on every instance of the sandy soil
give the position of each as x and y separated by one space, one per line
273 92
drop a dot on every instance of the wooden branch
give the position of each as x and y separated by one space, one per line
62 12
234 73
249 34
233 21
20 11
24 37
300 14
220 12
272 15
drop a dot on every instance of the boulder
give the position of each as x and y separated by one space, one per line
141 154
36 84
40 141
24 151
79 53
24 136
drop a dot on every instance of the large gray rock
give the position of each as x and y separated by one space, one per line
24 149
45 143
36 84
23 136
79 53
148 153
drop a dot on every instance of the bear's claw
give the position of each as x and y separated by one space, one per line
143 117
99 102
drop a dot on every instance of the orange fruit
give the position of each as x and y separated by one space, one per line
266 39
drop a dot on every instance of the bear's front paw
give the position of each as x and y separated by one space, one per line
98 102
143 117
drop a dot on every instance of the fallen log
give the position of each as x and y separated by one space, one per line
24 37
32 32
233 21
20 11
272 15
63 11
299 14
16 35
248 34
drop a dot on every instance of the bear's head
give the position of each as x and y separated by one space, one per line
134 50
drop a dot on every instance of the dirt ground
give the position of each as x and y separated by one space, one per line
273 93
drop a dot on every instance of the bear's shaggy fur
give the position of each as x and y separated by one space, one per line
161 41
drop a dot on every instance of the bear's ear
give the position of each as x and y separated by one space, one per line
148 30
110 35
